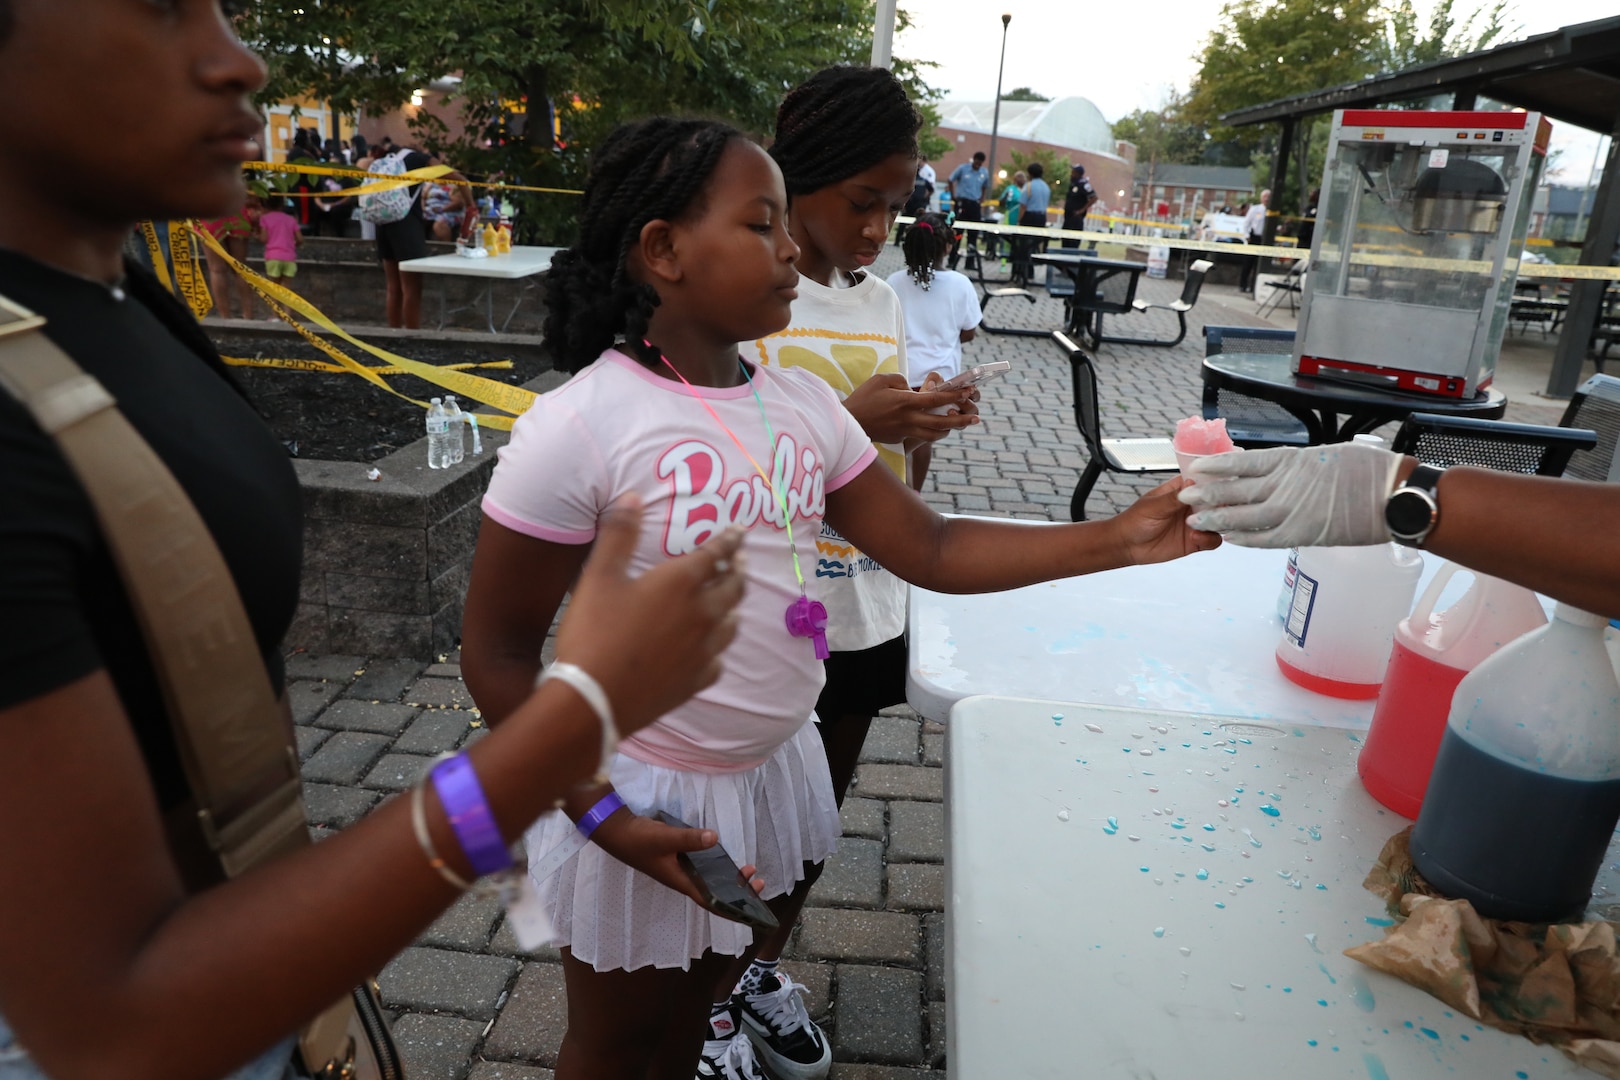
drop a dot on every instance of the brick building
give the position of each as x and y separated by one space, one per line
1185 192
1070 127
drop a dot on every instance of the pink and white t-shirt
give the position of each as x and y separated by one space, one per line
617 427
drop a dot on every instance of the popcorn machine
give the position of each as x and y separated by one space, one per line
1419 230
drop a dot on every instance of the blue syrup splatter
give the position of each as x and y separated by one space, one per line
1270 811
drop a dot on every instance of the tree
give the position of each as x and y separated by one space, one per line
1270 49
1024 93
1403 44
1164 135
598 62
1055 165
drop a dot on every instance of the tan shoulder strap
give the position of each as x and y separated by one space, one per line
234 741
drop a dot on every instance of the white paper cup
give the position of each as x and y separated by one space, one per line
1184 459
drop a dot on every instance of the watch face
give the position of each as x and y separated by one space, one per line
1408 513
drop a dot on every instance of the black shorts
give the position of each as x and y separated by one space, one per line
400 240
864 682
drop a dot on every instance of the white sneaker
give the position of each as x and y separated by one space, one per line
774 1017
726 1055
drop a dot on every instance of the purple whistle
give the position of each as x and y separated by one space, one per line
808 618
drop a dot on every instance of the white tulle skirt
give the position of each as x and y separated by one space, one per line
778 816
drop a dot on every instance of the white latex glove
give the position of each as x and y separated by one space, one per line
1315 496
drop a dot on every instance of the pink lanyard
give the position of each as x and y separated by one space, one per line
805 617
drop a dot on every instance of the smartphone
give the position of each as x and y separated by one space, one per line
973 376
724 889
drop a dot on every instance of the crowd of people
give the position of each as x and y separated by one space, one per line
717 310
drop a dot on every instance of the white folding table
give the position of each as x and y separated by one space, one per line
1195 635
1161 894
514 265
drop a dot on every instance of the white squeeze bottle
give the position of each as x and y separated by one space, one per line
458 430
1341 619
438 436
1525 792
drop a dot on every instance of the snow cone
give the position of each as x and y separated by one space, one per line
1196 437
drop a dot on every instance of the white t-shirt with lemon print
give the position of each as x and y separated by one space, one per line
844 337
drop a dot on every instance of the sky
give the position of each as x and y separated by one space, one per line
1126 56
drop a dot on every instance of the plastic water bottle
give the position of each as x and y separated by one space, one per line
438 435
1433 651
458 430
1525 792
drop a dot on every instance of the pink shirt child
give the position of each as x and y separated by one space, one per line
280 236
618 427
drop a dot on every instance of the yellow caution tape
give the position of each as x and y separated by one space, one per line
160 265
1471 266
189 283
389 181
1119 238
511 399
323 366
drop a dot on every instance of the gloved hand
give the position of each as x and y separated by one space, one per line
1316 496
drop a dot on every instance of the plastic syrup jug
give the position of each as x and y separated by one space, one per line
1342 613
1285 598
1433 651
1342 617
1526 787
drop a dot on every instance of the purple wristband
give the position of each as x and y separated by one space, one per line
605 808
469 814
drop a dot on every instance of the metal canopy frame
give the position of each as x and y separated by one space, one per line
1572 75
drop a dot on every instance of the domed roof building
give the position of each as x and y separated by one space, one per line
1072 128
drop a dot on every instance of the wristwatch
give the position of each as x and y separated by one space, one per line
1413 509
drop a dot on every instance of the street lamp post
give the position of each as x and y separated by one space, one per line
995 117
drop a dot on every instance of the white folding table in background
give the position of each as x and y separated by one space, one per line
514 265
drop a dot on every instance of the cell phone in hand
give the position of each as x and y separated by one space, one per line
721 883
973 376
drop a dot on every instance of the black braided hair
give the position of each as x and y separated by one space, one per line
839 122
926 240
651 169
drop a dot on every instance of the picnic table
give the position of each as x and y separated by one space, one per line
1101 287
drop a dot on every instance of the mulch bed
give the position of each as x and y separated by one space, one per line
334 417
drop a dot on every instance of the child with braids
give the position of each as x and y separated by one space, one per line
941 310
683 252
846 140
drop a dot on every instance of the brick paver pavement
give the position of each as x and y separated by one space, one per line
870 949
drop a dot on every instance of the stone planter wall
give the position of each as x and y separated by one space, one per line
386 561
